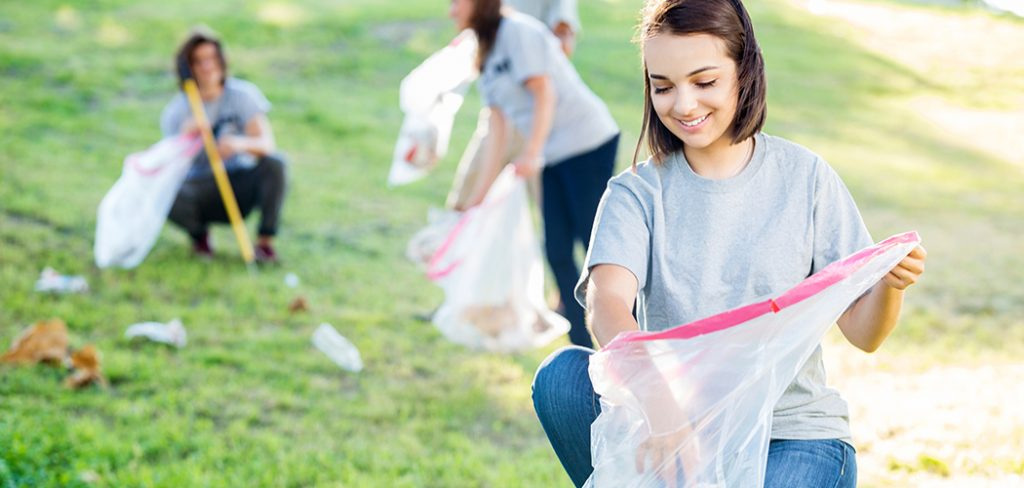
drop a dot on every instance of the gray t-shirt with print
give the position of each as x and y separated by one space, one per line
699 247
228 115
525 48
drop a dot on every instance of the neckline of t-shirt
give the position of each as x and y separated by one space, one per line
727 184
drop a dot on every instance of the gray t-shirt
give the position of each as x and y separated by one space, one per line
228 115
525 48
550 12
699 247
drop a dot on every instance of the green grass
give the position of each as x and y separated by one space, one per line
249 402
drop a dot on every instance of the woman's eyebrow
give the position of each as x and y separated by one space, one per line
655 76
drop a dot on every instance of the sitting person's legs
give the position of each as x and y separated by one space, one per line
811 463
566 405
199 203
190 205
263 186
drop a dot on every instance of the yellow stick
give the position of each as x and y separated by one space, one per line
219 174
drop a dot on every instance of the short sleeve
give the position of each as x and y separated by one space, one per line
564 11
621 236
531 44
173 115
252 101
839 229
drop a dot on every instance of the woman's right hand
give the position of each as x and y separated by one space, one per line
189 126
674 457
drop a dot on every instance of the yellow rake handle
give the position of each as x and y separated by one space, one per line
219 174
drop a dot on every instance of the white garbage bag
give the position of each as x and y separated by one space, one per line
492 274
711 385
430 96
134 210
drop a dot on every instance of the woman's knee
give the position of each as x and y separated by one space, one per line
556 376
274 164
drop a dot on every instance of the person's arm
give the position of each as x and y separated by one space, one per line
566 36
494 155
611 293
531 160
258 139
870 319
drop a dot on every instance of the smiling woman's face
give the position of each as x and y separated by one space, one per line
694 87
206 65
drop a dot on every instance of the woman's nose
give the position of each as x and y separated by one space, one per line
686 102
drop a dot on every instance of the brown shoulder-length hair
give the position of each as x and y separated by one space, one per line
485 21
726 19
183 58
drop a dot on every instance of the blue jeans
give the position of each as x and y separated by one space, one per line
570 192
566 405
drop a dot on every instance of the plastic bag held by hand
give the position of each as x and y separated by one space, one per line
723 375
430 96
338 348
132 213
492 274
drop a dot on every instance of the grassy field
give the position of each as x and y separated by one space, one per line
910 116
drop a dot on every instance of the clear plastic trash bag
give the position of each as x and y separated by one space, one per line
492 274
132 213
711 385
430 96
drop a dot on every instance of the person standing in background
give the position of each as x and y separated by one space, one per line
570 137
562 17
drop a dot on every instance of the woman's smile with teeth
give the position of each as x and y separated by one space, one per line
693 122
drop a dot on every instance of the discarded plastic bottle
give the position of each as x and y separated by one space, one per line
172 333
337 347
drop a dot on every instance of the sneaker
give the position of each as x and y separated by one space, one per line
265 254
201 247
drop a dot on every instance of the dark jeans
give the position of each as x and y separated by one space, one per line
571 190
199 203
566 404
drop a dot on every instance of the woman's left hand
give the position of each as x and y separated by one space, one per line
908 271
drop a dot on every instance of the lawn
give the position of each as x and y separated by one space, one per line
909 116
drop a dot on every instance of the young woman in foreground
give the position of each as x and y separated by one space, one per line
719 215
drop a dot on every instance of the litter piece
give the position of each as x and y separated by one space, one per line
85 363
46 341
291 280
299 304
172 333
50 281
337 347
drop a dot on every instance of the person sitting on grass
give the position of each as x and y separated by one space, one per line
719 215
237 111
